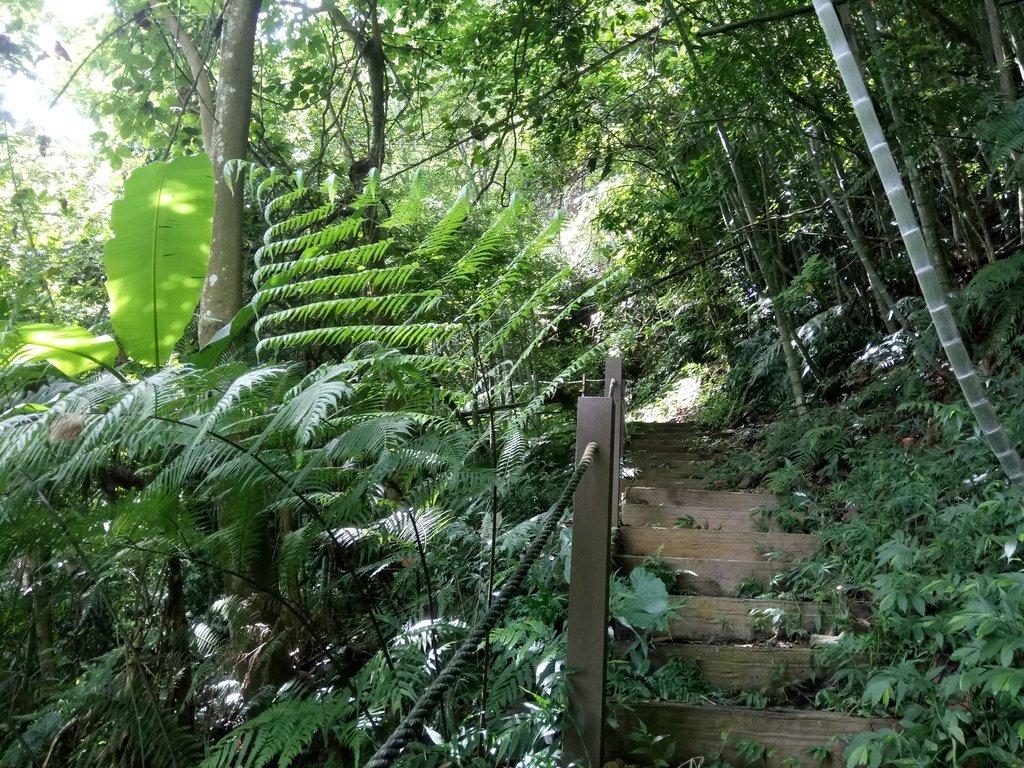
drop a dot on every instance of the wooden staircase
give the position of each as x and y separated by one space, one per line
715 543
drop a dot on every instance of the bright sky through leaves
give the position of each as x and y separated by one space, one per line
74 25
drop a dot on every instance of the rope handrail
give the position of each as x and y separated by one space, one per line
413 722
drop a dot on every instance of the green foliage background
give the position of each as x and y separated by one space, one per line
261 552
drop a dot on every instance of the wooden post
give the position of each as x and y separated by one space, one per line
615 389
586 655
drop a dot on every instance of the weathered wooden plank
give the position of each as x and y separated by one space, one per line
714 578
739 667
667 479
654 458
641 427
710 499
695 731
614 387
710 519
655 441
680 469
708 447
587 623
714 545
733 619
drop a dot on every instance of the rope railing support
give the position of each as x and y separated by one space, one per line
595 512
615 389
412 724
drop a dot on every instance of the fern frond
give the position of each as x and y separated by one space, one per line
494 294
280 734
527 310
439 240
610 278
513 453
1004 134
487 246
377 280
309 245
394 335
387 306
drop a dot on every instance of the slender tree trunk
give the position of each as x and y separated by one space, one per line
924 269
998 51
925 203
965 204
887 308
755 239
199 67
222 291
175 652
1005 85
1013 32
369 46
41 617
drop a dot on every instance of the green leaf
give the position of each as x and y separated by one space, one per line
156 261
879 690
647 606
209 355
71 350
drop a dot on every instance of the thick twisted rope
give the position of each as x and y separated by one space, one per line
412 724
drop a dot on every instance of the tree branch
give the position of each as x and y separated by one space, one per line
199 67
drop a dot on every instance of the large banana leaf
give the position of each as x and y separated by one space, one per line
69 349
156 261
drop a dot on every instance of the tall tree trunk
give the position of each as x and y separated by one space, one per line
175 652
756 241
1013 32
222 291
975 233
998 51
934 295
1005 85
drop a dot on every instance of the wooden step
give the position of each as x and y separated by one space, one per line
667 426
677 469
669 443
733 619
669 495
707 446
648 439
714 545
714 578
742 667
703 499
695 731
659 478
652 459
693 517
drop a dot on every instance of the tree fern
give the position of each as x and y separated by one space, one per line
318 284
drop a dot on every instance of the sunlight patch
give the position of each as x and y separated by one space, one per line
676 404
